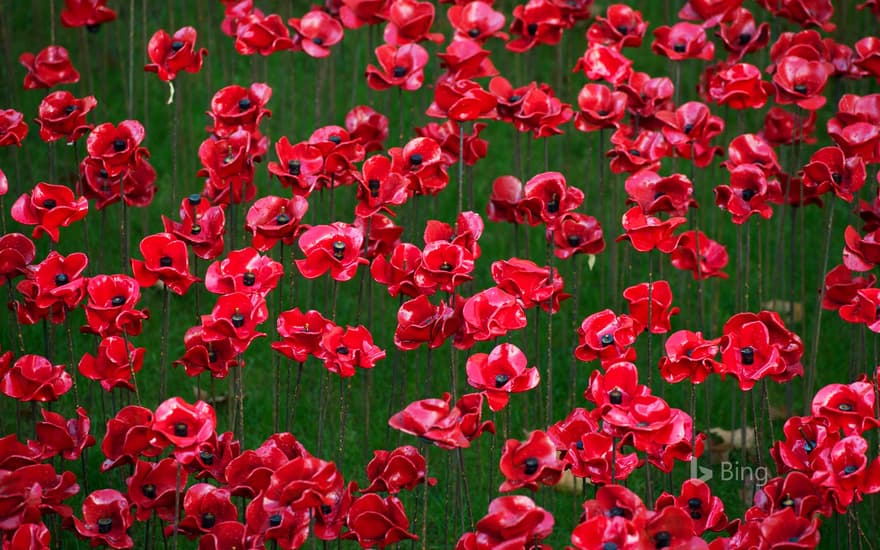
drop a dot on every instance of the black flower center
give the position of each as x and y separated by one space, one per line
635 152
105 525
615 396
119 145
744 38
809 445
176 45
61 279
117 301
342 350
662 539
326 509
836 177
579 445
244 103
622 29
165 261
181 429
399 72
688 127
318 40
607 339
642 424
531 465
609 545
208 520
474 32
787 502
500 380
282 219
69 109
553 205
336 140
695 514
532 28
103 174
49 204
415 159
845 407
747 194
195 229
237 319
616 512
293 167
248 279
850 469
679 48
207 457
573 240
514 98
602 112
195 199
694 503
274 520
800 88
149 491
446 266
338 249
374 187
747 355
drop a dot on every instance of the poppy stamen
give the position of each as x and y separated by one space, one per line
573 240
415 159
532 29
679 48
207 457
342 350
747 355
531 465
149 491
282 219
616 512
399 72
694 503
244 104
553 204
622 29
119 145
195 229
317 41
334 139
801 89
69 109
747 194
274 520
181 429
176 45
293 167
500 380
514 98
787 502
607 339
373 185
473 33
165 261
105 525
744 38
49 204
845 407
248 279
338 250
662 539
208 520
61 279
237 319
117 301
194 200
615 396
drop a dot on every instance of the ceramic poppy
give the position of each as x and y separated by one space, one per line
62 115
841 286
202 226
401 67
575 232
633 153
409 21
86 13
419 322
113 364
434 420
740 87
304 482
117 147
606 336
34 378
271 219
106 519
682 40
749 193
367 125
502 372
541 112
261 34
235 107
317 31
357 13
846 406
166 258
535 22
528 463
236 316
183 425
49 208
128 436
13 128
601 62
462 100
741 35
806 439
654 193
48 68
343 349
649 232
801 82
66 437
646 95
205 509
170 54
688 356
650 306
492 313
16 253
621 27
476 21
111 306
244 270
696 499
56 282
710 12
335 248
421 162
546 196
829 168
600 107
375 521
393 471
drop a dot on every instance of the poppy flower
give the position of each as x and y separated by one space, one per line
13 128
567 432
32 536
443 265
829 168
861 253
113 364
262 34
801 82
299 166
397 270
409 21
841 287
689 129
202 227
272 218
688 356
228 165
755 150
599 107
783 127
682 40
243 270
316 32
650 306
205 351
749 193
90 14
356 13
236 107
58 435
509 99
335 248
546 196
377 521
542 113
531 283
49 208
57 282
250 473
304 482
806 439
205 508
847 407
183 425
502 372
379 187
171 54
796 491
646 95
152 487
470 422
433 420
461 100
653 193
606 336
117 147
575 232
867 55
110 309
846 472
288 529
48 68
621 27
166 258
476 21
129 435
236 316
106 519
16 253
447 135
601 62
419 322
343 349
513 520
370 127
421 162
507 192
740 87
806 13
535 22
212 457
340 153
34 378
402 67
741 35
697 500
616 387
526 464
391 471
492 313
382 235
138 183
748 355
62 115
648 232
640 152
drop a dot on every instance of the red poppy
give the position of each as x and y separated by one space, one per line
272 218
391 471
421 162
509 99
681 41
205 351
806 13
34 378
740 87
433 420
48 68
616 387
117 147
317 31
262 34
447 135
370 127
304 482
647 95
659 295
846 473
754 150
535 22
634 153
343 349
288 529
49 208
847 407
829 168
299 166
56 282
409 21
599 108
301 333
526 464
653 193
465 59
748 354
250 473
443 265
546 197
710 12
62 115
106 519
604 335
801 82
110 309
648 232
129 435
183 425
689 128
574 233
867 52
841 287
492 313
202 226
243 270
476 21
462 100
531 283
622 27
340 153
357 13
688 356
696 499
419 322
228 165
379 187
511 521
236 316
795 491
30 536
861 253
782 127
749 193
138 183
13 128
541 112
113 364
377 521
806 439
502 372
205 508
470 422
166 258
86 13
601 62
58 435
396 272
172 54
236 107
335 248
741 35
16 253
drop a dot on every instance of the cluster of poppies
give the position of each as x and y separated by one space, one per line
185 475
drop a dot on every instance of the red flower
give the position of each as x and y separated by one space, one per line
340 152
697 500
599 108
227 164
541 112
688 356
56 282
447 135
379 187
183 425
659 294
492 313
617 387
301 333
800 81
526 464
622 27
409 21
30 536
344 349
421 162
462 100
152 487
532 284
205 509
88 13
604 63
256 33
376 521
396 272
644 152
304 482
299 166
536 22
749 193
34 378
236 316
748 355
244 271
648 232
806 13
646 95
110 309
402 67
847 407
236 107
755 150
13 128
50 67
573 233
357 13
172 54
316 32
335 248
382 236
682 41
250 473
653 193
740 87
402 468
840 287
62 115
868 55
16 253
49 208
129 435
830 168
502 372
514 521
205 351
471 407
106 519
782 127
166 258
368 126
202 226
689 128
476 21
604 335
58 435
546 197
710 12
433 420
741 35
118 148
419 322
845 472
806 439
138 183
113 363
443 264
